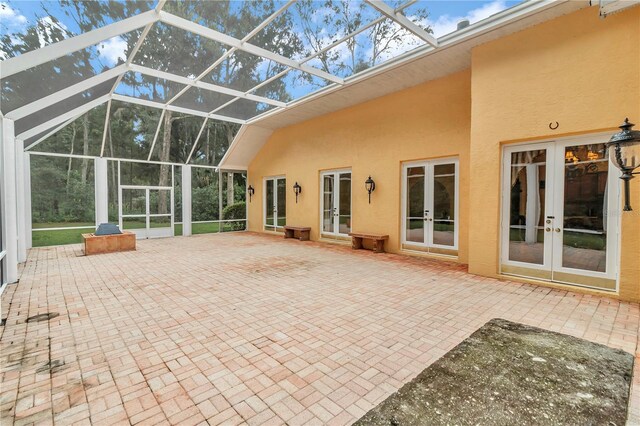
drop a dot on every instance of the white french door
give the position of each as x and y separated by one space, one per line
430 206
560 212
335 202
146 210
275 203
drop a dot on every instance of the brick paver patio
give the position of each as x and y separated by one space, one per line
237 328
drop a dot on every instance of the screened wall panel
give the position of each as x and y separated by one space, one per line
243 71
244 109
143 86
83 136
205 204
234 207
62 196
214 142
132 129
176 138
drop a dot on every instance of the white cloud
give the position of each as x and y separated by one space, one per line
446 24
113 49
10 17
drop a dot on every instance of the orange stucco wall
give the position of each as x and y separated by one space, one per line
578 70
427 121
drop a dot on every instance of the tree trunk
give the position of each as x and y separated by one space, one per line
73 140
85 148
164 156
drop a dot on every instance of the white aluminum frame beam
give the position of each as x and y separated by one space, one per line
214 35
54 130
56 50
403 21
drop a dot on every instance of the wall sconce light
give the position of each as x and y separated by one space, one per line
370 185
251 191
624 151
297 189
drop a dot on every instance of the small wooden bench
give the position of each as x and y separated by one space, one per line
300 232
378 241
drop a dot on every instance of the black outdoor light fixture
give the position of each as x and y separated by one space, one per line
251 191
370 185
297 189
624 151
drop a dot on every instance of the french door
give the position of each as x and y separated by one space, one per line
335 202
146 210
559 215
430 206
275 203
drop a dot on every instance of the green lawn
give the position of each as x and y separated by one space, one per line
74 236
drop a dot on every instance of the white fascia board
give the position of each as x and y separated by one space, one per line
63 117
60 95
56 50
174 108
202 85
214 35
405 22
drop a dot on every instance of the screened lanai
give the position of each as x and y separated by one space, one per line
122 112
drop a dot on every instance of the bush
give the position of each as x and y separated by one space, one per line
235 211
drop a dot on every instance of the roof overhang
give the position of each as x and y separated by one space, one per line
424 64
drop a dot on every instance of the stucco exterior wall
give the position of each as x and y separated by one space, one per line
579 70
427 121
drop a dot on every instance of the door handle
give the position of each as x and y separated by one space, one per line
548 229
557 229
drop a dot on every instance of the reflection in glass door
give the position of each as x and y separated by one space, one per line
430 206
335 202
275 204
558 218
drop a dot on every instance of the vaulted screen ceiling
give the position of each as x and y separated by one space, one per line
226 60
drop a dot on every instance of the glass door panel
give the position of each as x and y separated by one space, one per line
344 205
444 206
430 206
527 206
584 230
281 204
269 214
327 203
335 203
416 209
557 222
275 206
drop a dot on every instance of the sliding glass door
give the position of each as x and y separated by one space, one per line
335 202
275 203
430 206
559 219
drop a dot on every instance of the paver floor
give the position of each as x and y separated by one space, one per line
234 328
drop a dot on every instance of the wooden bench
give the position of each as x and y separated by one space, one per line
97 244
300 232
378 241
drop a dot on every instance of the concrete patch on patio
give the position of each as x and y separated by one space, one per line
508 373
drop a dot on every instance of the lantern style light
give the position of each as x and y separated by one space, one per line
251 191
623 150
297 189
370 185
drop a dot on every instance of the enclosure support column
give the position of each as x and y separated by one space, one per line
102 191
8 189
27 200
186 200
20 203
